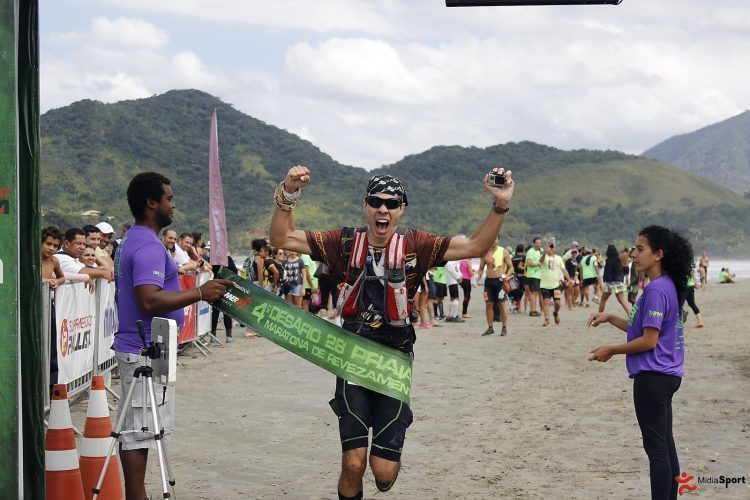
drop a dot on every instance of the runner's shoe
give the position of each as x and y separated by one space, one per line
488 331
504 332
557 318
546 322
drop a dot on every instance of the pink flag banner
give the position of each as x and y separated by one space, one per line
217 222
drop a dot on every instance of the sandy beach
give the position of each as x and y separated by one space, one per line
522 416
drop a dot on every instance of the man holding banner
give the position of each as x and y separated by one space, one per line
147 284
381 266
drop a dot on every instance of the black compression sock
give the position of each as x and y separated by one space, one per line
358 496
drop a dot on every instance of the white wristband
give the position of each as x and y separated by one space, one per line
292 197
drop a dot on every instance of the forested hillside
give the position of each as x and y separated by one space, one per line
90 150
719 152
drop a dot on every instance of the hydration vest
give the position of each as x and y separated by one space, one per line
396 305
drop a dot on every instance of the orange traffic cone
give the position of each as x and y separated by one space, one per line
62 474
96 442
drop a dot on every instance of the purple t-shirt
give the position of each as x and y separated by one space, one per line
141 259
658 308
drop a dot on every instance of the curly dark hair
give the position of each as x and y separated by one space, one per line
678 261
53 232
258 244
143 187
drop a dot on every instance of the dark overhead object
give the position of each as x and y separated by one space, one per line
514 3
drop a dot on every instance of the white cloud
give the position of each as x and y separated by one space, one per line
368 70
121 59
367 16
372 81
123 33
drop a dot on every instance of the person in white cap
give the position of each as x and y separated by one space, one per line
103 251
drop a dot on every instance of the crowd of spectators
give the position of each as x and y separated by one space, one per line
84 254
80 254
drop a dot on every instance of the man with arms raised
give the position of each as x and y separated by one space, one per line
147 284
381 258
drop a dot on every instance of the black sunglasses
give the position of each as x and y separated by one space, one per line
390 203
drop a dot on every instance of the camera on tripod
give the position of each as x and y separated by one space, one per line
162 350
153 351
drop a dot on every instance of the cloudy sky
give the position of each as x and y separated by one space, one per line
370 81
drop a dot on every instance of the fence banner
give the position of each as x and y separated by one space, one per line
203 325
107 321
204 308
75 319
187 332
349 356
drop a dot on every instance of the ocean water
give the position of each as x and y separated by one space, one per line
740 268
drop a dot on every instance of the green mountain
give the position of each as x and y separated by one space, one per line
90 150
718 152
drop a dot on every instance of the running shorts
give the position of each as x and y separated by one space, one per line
614 288
552 293
588 282
359 409
492 289
533 284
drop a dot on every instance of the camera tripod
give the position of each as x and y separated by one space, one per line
144 375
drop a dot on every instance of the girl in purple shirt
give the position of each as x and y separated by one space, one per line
655 350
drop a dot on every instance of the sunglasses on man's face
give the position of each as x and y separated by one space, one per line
390 203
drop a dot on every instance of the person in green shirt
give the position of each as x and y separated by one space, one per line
310 281
691 302
552 273
533 275
589 274
725 276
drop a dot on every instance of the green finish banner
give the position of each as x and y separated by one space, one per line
9 360
351 357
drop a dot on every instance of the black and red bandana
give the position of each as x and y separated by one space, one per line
387 184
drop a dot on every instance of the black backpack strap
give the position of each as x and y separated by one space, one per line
346 241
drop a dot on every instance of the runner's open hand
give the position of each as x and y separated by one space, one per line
503 193
212 290
297 177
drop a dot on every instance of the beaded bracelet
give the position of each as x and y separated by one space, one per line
285 201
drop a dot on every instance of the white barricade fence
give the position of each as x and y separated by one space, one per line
203 323
83 332
107 323
75 325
